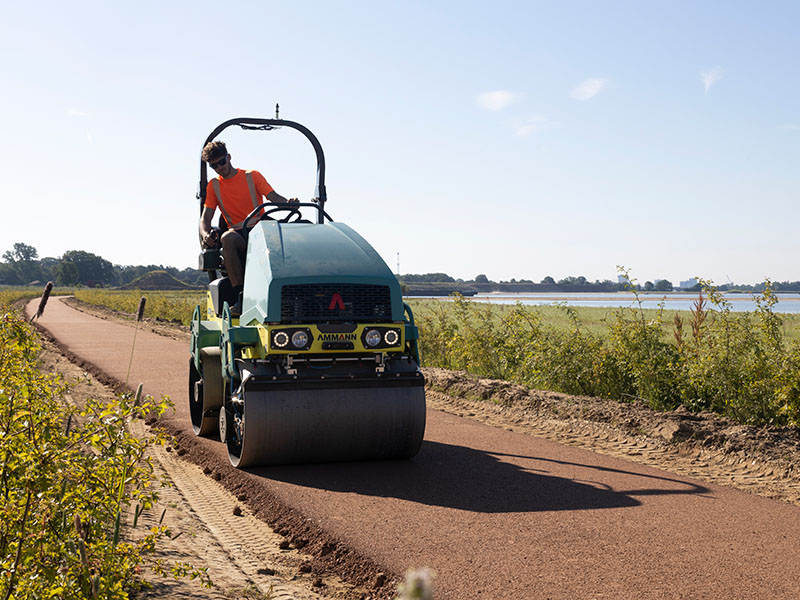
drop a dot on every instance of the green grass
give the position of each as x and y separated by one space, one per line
593 320
745 365
173 306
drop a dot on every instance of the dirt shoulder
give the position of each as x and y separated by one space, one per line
763 461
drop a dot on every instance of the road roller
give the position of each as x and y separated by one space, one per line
319 360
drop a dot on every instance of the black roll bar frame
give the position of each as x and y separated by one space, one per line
321 195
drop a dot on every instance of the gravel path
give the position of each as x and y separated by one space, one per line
498 514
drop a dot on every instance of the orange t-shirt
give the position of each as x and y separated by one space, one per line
236 195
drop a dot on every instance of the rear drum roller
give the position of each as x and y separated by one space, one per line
206 392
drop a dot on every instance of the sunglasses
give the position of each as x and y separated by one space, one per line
217 164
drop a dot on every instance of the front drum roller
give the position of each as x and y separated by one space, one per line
206 392
275 427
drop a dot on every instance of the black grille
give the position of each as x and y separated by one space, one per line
311 303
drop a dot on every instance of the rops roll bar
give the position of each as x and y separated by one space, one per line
321 195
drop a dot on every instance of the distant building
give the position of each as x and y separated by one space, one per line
688 284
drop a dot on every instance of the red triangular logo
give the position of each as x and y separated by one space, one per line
336 302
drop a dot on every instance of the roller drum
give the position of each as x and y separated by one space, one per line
325 425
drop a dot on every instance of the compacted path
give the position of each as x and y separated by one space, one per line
496 514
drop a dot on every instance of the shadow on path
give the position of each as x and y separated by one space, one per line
467 479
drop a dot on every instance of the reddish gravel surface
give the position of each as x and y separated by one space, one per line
497 514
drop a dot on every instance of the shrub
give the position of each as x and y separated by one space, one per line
68 478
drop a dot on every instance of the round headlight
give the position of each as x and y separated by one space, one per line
373 338
391 337
299 339
280 339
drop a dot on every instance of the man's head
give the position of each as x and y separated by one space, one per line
216 155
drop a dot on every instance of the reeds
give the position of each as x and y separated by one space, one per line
43 302
139 315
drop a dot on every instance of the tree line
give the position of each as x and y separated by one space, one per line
548 283
580 283
22 266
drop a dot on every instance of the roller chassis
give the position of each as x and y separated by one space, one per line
305 376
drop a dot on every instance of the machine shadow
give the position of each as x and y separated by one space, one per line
462 478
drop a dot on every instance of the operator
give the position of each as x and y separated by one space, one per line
237 193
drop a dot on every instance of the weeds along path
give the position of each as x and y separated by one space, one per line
498 514
211 528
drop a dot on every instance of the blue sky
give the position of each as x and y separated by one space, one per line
515 139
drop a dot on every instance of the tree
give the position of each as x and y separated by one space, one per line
481 278
21 253
66 273
8 275
648 286
549 280
91 268
22 261
663 285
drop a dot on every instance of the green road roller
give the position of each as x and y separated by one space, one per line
319 362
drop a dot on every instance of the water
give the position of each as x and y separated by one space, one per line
787 302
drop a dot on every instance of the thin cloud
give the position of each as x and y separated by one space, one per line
497 100
526 127
793 127
74 112
710 77
589 88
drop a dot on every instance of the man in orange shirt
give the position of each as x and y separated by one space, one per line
236 192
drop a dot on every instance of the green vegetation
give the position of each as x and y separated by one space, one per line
174 306
742 365
12 295
21 266
70 477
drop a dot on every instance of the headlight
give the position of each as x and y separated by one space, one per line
391 337
299 339
280 339
373 338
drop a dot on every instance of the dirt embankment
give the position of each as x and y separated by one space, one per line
764 461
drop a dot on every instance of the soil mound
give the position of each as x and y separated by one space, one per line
156 280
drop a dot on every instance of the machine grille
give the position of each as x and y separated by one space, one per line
309 303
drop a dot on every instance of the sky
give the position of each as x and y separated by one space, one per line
513 139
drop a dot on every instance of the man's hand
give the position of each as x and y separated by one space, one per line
276 198
211 239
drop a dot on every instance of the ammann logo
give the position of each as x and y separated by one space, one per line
336 337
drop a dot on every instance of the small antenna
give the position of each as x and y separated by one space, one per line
277 110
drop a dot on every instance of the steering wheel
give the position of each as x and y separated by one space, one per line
290 212
290 209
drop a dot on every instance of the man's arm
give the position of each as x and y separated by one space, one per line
206 234
276 198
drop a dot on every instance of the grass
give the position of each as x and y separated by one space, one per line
593 320
173 306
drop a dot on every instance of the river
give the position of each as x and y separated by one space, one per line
787 302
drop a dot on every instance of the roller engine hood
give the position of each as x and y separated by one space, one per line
281 254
